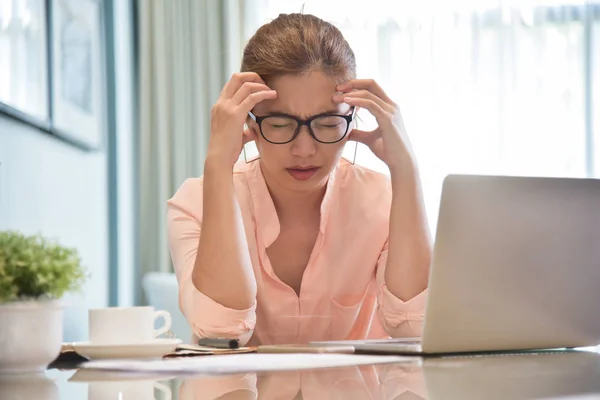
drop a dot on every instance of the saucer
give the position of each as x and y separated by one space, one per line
92 375
153 349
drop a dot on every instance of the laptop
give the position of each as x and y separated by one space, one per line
516 266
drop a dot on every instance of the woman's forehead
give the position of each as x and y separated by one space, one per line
302 95
299 108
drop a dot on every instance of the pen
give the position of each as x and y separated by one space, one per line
219 343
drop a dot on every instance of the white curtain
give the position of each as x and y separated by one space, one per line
187 51
485 86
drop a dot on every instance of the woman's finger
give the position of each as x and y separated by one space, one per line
254 98
365 84
360 136
246 89
379 113
236 81
365 94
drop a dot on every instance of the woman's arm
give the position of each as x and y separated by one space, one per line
409 241
403 267
209 314
217 288
223 270
405 264
409 254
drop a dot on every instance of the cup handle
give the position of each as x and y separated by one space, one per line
163 388
165 328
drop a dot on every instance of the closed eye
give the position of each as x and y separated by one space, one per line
279 125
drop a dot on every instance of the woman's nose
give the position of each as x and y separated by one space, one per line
304 145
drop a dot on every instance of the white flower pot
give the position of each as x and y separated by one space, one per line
30 335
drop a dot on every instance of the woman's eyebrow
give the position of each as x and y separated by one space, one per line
277 112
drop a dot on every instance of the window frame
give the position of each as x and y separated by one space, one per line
47 126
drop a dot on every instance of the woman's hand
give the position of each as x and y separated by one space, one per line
227 136
389 141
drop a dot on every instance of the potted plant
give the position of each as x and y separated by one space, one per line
34 275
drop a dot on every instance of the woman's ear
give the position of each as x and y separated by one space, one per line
356 117
249 134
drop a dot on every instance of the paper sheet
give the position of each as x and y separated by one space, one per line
239 363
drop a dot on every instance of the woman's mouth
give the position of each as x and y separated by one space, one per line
302 173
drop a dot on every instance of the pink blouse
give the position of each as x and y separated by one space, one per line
343 294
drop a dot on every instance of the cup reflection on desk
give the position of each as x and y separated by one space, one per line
121 385
128 390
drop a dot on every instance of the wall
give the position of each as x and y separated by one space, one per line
50 187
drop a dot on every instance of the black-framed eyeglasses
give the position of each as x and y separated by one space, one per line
283 128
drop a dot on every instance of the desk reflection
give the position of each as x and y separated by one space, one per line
508 376
364 382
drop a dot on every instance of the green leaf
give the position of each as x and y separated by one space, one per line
33 266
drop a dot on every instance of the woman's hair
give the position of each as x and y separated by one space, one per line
296 44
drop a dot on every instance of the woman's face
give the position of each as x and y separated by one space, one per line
303 164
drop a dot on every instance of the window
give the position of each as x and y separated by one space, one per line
485 87
52 67
23 56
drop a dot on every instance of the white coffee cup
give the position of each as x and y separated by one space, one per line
126 325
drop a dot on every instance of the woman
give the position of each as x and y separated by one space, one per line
301 245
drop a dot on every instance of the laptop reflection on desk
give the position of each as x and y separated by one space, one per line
565 374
